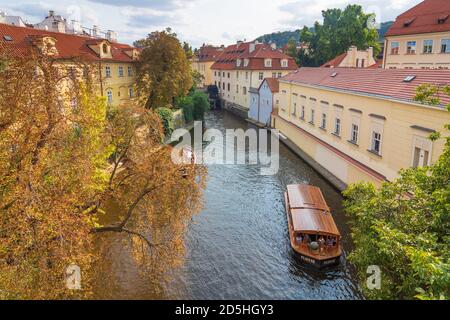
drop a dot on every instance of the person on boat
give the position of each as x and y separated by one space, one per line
321 244
299 238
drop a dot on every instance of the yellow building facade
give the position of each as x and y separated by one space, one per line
202 62
420 37
355 135
115 62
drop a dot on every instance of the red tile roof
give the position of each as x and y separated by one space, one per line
273 84
69 46
208 53
423 18
334 63
227 60
384 83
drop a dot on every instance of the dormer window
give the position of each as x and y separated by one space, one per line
268 63
105 48
284 63
246 62
442 19
238 62
408 22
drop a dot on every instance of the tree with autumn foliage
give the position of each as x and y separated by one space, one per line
65 156
163 71
402 227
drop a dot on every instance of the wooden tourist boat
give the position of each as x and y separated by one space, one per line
312 230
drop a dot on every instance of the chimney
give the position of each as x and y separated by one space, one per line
2 17
96 31
51 13
370 52
273 45
239 42
252 47
111 36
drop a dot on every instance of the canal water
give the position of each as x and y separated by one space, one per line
238 246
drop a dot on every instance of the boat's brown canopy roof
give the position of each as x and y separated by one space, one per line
302 196
313 221
309 210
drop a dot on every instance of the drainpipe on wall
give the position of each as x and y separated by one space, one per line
385 52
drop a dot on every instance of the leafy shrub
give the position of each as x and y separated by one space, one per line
187 104
201 105
167 119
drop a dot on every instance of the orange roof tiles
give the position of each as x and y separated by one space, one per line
208 53
428 16
334 63
227 60
384 83
273 84
69 46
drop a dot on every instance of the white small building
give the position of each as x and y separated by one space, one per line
52 22
12 20
262 101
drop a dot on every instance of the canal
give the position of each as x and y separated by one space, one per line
238 246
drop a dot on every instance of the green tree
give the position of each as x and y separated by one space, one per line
163 71
291 49
340 30
167 120
201 105
403 226
188 50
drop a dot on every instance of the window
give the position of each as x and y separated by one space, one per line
108 71
223 74
428 46
131 92
323 123
294 109
357 62
237 74
421 152
261 76
394 47
110 96
215 73
376 142
244 90
284 63
354 133
279 74
121 71
311 120
228 75
238 62
363 62
411 47
274 74
130 71
268 63
337 126
223 86
105 48
445 46
237 88
302 114
228 87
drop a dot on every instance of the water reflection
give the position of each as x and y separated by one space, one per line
238 247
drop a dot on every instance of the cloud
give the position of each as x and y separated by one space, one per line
306 12
150 20
160 5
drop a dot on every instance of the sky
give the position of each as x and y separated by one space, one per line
197 21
